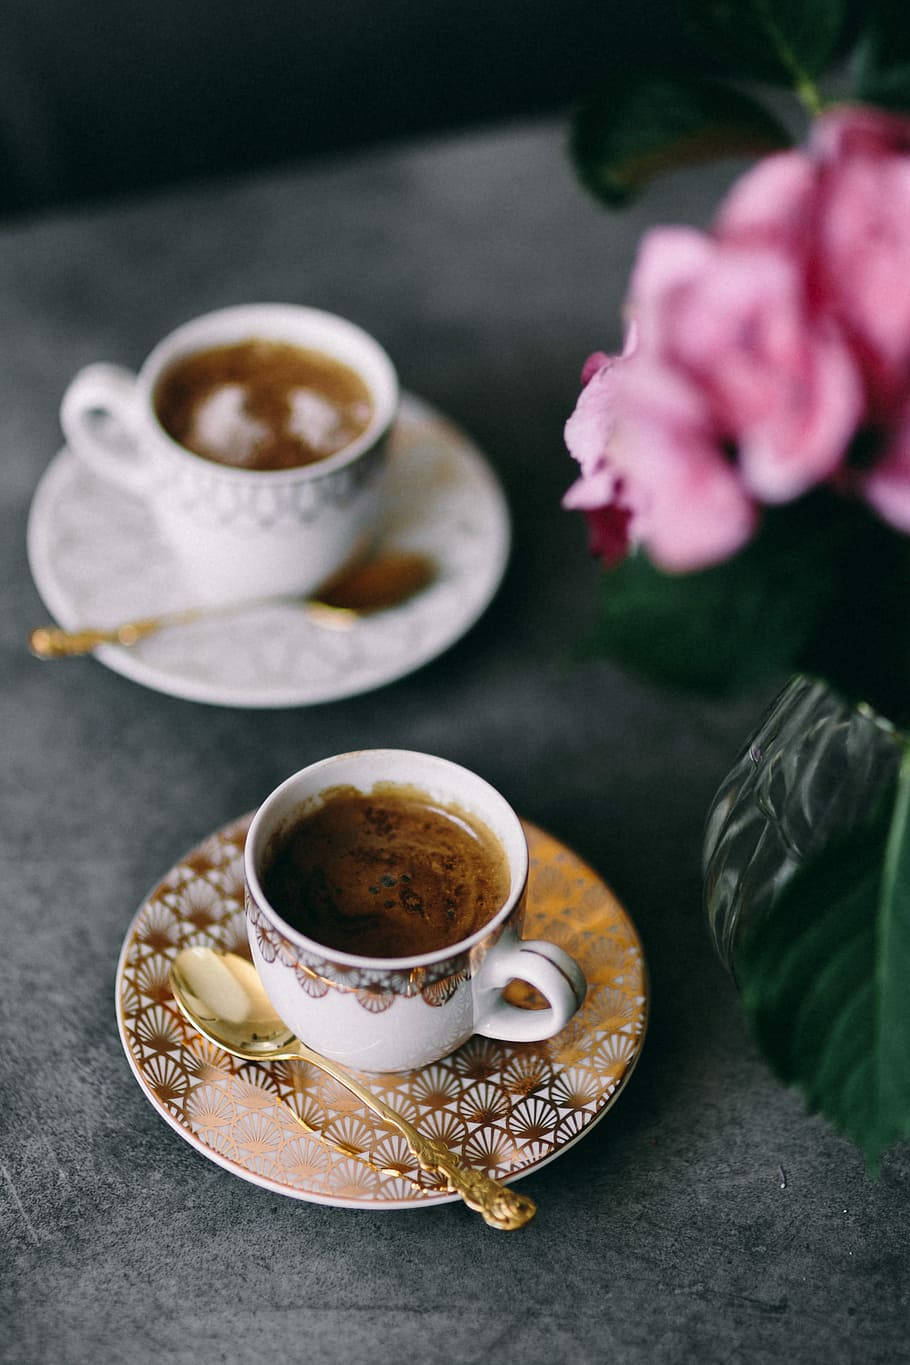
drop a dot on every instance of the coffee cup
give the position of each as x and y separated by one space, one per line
241 532
381 1013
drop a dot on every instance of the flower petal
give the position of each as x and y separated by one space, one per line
887 486
771 204
807 435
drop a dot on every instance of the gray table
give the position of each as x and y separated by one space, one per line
665 1235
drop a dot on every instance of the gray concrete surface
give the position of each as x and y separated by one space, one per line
665 1236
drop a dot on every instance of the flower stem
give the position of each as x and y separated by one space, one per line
809 95
806 90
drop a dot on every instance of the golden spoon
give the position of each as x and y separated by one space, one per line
222 997
380 583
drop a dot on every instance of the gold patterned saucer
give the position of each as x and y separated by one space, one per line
506 1108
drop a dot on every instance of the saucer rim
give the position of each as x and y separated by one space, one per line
132 666
418 1201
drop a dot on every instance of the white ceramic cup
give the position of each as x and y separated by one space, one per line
241 532
391 1014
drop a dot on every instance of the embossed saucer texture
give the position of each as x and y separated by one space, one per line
506 1108
98 558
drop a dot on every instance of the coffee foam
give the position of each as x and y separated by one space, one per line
314 420
222 428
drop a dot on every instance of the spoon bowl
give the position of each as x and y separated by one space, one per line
222 996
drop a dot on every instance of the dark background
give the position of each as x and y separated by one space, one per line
112 95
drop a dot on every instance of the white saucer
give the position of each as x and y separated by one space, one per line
98 559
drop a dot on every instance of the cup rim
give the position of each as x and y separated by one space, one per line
164 350
437 955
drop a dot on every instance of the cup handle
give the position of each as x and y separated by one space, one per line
99 416
543 965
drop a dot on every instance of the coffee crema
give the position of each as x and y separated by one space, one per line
390 873
260 404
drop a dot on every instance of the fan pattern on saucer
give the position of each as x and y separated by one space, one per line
503 1107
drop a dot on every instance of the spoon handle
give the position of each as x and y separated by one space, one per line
51 642
498 1205
386 581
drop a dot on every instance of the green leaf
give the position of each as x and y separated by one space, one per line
788 42
629 132
823 978
883 57
862 644
890 89
740 622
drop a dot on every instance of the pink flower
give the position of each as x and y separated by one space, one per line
842 209
864 241
733 395
764 349
652 469
781 385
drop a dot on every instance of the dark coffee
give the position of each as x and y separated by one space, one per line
262 404
388 874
